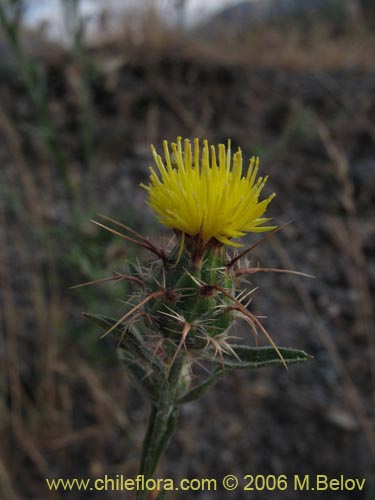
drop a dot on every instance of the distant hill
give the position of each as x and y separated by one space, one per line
246 13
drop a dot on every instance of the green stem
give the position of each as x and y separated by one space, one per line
162 424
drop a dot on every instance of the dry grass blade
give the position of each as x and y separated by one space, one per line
26 178
316 320
11 369
22 436
6 487
105 399
352 244
174 103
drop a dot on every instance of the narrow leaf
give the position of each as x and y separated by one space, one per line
257 357
200 389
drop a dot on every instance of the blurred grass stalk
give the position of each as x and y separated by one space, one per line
25 418
75 29
34 79
33 76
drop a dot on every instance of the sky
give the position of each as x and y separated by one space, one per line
38 11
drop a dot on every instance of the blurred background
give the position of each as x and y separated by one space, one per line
85 87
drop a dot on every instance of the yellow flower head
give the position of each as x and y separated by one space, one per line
204 195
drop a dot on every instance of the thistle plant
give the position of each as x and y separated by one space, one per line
188 295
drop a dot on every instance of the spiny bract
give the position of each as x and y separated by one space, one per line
188 297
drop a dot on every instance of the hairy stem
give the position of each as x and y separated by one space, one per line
162 424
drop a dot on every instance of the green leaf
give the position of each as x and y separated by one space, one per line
257 357
200 389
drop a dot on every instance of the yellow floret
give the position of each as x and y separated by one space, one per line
204 194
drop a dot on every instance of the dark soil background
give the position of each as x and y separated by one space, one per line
68 408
